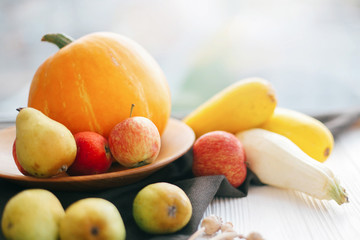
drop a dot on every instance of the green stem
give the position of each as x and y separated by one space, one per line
338 193
59 39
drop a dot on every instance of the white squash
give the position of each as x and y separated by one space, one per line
279 162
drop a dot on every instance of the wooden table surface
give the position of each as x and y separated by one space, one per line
284 214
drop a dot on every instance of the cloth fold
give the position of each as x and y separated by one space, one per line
200 190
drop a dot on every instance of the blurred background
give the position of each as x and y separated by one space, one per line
308 49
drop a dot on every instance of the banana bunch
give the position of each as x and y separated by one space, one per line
284 148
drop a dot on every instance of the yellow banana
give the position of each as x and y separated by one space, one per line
243 105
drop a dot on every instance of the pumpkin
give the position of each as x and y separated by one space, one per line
91 83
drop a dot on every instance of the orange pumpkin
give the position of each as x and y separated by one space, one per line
91 83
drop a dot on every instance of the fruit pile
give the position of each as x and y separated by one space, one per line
242 127
80 120
38 214
45 148
78 117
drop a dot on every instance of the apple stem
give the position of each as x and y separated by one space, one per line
131 110
19 109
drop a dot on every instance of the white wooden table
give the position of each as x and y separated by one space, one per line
285 214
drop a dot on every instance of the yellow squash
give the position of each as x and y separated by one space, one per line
243 105
279 162
309 134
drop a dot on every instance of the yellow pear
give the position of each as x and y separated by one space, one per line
44 147
92 218
32 214
161 208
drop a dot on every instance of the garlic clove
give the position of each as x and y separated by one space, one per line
212 224
254 236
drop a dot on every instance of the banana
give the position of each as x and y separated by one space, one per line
311 135
279 162
243 105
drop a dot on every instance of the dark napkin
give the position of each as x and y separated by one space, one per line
200 190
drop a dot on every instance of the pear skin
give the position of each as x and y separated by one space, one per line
161 208
243 105
44 147
32 214
92 218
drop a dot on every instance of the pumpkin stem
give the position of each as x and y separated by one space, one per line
131 110
59 39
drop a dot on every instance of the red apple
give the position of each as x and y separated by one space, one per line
135 142
21 169
93 154
220 153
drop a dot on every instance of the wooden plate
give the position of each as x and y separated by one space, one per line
176 140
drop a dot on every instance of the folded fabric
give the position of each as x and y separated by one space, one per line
200 190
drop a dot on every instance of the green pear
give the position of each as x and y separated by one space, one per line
32 214
92 218
161 208
44 147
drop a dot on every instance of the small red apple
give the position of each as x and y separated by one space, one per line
21 169
135 142
93 154
220 153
